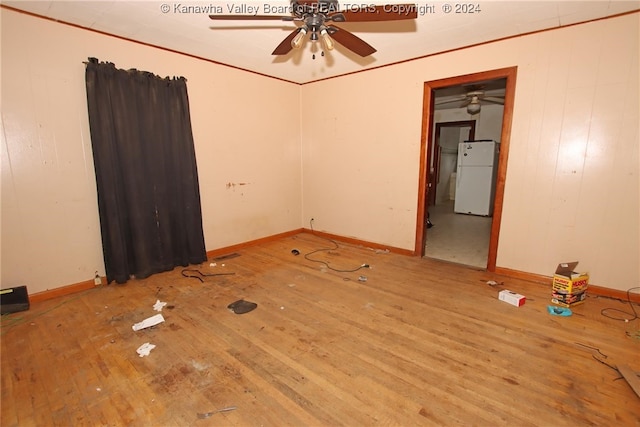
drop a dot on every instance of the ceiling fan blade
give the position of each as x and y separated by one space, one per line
250 18
351 41
493 99
371 13
285 45
283 27
449 101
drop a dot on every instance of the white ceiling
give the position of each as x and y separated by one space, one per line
180 26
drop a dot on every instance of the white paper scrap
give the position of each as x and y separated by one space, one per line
158 305
148 322
145 349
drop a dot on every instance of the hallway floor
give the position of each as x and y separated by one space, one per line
459 238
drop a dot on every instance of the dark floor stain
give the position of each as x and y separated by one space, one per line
511 381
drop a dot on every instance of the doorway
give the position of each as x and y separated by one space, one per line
430 184
443 163
462 200
463 239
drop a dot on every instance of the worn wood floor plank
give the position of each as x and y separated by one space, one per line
412 342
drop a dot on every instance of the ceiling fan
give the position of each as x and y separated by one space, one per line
317 18
473 100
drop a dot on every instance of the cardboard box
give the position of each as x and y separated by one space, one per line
511 298
567 281
568 300
14 299
569 287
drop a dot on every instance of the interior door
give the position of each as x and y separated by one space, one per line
450 139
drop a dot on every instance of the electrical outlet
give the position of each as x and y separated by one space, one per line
97 280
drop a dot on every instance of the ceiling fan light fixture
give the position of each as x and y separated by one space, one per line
296 42
326 39
474 106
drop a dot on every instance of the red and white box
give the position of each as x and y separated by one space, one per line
511 298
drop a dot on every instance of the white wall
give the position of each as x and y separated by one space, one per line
572 179
361 156
488 120
50 225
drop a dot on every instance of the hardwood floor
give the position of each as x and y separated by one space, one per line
419 342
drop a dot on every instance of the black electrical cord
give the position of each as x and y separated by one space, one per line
187 270
606 312
326 264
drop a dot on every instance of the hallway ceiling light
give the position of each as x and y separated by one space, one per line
474 105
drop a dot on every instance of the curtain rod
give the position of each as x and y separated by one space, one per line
92 60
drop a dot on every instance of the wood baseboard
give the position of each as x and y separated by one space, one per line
233 248
530 277
90 284
614 293
64 290
358 242
593 289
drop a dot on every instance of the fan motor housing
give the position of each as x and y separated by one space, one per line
301 7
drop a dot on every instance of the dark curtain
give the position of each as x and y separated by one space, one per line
146 173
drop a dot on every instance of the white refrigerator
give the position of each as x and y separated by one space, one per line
476 177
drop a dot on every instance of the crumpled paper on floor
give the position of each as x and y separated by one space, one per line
148 322
158 305
145 349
